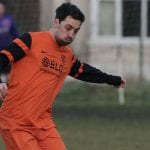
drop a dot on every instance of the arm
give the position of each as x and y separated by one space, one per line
15 51
85 72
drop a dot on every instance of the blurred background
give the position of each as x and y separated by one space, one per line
115 38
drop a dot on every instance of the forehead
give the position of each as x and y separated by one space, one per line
71 21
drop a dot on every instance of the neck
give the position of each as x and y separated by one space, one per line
52 32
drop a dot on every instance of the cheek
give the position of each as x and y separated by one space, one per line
62 33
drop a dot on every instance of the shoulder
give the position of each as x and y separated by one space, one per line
9 17
69 49
7 20
42 33
25 38
39 35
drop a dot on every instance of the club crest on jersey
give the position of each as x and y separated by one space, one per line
63 59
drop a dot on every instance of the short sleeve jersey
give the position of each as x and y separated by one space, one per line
35 80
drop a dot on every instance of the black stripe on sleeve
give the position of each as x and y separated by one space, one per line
26 38
4 61
75 68
16 51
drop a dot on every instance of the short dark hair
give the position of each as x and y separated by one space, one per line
68 9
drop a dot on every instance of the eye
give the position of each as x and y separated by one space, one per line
75 31
67 28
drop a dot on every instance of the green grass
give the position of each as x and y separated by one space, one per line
78 94
98 133
103 133
89 117
2 147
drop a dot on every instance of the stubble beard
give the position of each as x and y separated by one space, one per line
63 42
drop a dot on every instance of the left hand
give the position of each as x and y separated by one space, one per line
3 90
123 83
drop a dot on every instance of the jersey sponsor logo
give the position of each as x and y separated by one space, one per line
47 63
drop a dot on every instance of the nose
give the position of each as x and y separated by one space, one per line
71 34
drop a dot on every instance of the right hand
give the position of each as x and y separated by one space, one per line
3 90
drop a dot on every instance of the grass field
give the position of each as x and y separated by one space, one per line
90 117
104 132
82 94
96 133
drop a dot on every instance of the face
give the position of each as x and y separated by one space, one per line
66 30
2 9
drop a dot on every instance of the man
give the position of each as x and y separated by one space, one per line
8 29
41 62
8 32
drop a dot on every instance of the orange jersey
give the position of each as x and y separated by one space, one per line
38 72
35 81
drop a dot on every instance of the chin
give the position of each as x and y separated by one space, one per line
65 43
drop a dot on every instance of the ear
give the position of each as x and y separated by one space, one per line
56 23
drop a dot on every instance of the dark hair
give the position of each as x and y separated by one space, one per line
68 9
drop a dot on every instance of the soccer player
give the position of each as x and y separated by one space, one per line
41 61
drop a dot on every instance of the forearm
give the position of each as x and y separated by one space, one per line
91 74
4 61
88 73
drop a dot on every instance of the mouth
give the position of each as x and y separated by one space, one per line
68 40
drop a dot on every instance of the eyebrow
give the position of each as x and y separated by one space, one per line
72 26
